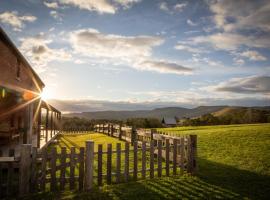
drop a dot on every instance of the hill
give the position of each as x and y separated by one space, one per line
158 113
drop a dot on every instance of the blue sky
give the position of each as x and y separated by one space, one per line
136 54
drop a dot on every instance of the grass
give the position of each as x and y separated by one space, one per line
234 163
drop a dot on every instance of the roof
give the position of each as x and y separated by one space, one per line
171 121
5 37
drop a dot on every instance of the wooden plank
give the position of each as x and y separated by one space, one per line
135 160
63 168
193 143
34 170
118 162
182 154
72 168
39 126
152 164
89 165
100 163
126 173
43 169
189 155
51 125
81 168
47 125
159 158
109 163
1 178
10 174
25 169
167 157
53 170
143 159
175 142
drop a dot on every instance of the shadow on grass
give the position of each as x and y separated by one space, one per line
213 181
246 183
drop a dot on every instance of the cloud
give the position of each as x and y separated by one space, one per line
53 5
164 67
253 55
164 6
36 48
100 6
127 3
183 47
233 15
14 20
180 6
55 14
232 41
191 23
245 85
169 9
92 43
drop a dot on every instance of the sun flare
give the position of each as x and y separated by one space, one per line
45 95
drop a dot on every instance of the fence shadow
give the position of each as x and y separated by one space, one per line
213 181
246 183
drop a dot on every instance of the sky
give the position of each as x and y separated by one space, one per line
142 54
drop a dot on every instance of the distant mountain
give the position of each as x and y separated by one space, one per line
159 113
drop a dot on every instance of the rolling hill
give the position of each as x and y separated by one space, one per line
156 113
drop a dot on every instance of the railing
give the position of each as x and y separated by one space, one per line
149 155
131 134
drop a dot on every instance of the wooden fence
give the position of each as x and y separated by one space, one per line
94 165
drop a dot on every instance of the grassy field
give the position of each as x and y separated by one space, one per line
234 163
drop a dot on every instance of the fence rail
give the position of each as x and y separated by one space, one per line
144 154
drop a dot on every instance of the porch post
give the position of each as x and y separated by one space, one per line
51 124
47 124
38 127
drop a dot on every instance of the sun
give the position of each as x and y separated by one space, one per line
45 95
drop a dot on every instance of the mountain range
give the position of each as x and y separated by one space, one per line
159 113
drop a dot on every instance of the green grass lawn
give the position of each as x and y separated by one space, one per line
233 163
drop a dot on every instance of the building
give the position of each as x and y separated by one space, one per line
169 122
21 108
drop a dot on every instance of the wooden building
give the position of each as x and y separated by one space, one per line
21 107
169 122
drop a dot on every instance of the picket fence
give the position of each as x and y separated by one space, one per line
86 167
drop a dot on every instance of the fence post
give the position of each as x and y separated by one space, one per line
89 165
25 169
133 135
112 130
153 131
120 131
103 130
193 143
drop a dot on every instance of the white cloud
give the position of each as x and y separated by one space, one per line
127 3
191 23
100 6
230 41
183 47
253 55
180 6
244 85
55 14
53 5
238 61
14 20
40 54
232 15
92 43
164 67
163 6
133 51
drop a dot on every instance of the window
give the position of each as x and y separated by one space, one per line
18 69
